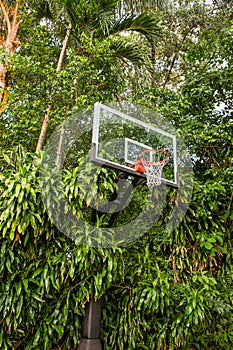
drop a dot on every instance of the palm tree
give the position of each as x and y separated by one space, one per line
100 19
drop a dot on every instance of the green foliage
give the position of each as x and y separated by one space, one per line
46 279
166 290
92 76
156 311
157 292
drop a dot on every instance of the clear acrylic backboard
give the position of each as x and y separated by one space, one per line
118 139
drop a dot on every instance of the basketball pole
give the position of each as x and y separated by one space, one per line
90 333
90 336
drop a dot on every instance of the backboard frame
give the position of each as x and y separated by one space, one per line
94 158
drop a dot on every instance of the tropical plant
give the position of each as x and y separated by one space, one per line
170 289
98 20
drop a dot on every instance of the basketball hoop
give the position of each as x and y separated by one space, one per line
152 169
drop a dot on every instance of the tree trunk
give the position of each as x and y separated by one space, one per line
44 129
153 81
45 124
9 43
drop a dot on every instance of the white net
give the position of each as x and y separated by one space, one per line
153 165
153 173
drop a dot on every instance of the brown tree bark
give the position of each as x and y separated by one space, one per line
11 19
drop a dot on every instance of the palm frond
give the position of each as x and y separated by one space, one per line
139 6
92 15
41 8
145 23
129 51
105 15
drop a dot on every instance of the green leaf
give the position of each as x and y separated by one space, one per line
208 245
59 329
36 338
19 306
37 297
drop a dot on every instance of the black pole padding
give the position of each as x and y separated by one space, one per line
91 326
90 344
92 319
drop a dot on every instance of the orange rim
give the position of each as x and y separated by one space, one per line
147 162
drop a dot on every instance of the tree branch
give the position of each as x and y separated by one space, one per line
170 70
64 47
15 22
6 15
